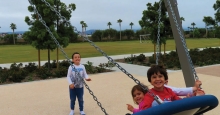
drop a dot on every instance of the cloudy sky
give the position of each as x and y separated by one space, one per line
97 13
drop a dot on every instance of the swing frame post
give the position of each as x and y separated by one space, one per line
185 65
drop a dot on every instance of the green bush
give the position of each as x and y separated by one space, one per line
207 56
64 63
4 74
30 67
43 73
30 72
141 57
89 67
17 76
17 73
62 71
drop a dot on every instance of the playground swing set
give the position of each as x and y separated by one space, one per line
196 105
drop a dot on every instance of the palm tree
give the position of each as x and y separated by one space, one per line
208 21
182 19
109 24
188 28
85 26
193 24
82 23
131 24
205 20
13 27
119 21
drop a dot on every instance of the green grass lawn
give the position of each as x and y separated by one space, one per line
27 53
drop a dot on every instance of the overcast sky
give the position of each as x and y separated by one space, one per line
97 13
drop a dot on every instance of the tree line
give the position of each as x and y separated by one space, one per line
39 38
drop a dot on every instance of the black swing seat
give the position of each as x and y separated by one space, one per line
188 106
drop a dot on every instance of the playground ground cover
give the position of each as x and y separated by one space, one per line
46 101
27 53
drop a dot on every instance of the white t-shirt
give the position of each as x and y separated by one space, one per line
178 92
73 78
181 91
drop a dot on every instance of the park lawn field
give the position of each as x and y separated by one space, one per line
27 53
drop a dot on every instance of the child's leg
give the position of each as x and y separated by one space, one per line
72 98
80 92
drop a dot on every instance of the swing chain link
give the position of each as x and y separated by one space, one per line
183 40
158 33
98 49
61 49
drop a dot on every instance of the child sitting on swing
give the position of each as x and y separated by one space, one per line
157 76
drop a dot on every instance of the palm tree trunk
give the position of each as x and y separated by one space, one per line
206 33
193 32
120 31
13 37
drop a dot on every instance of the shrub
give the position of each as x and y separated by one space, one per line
30 72
17 73
62 71
89 67
129 59
30 67
207 56
17 76
43 73
54 64
151 59
109 65
4 74
65 63
141 57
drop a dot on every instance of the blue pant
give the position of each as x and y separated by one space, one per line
76 92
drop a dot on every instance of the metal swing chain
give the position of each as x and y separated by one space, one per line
102 52
158 33
183 40
61 49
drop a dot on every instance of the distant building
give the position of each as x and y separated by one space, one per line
3 34
19 36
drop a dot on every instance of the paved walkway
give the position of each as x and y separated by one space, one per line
51 97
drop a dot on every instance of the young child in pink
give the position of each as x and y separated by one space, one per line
137 93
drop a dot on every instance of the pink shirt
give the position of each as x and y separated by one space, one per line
139 108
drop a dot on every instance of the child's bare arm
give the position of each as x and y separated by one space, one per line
88 79
130 107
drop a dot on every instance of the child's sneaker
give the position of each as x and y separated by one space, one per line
71 112
82 113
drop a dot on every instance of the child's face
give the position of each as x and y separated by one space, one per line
76 59
138 96
158 81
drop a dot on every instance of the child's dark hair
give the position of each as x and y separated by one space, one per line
74 54
154 69
139 88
